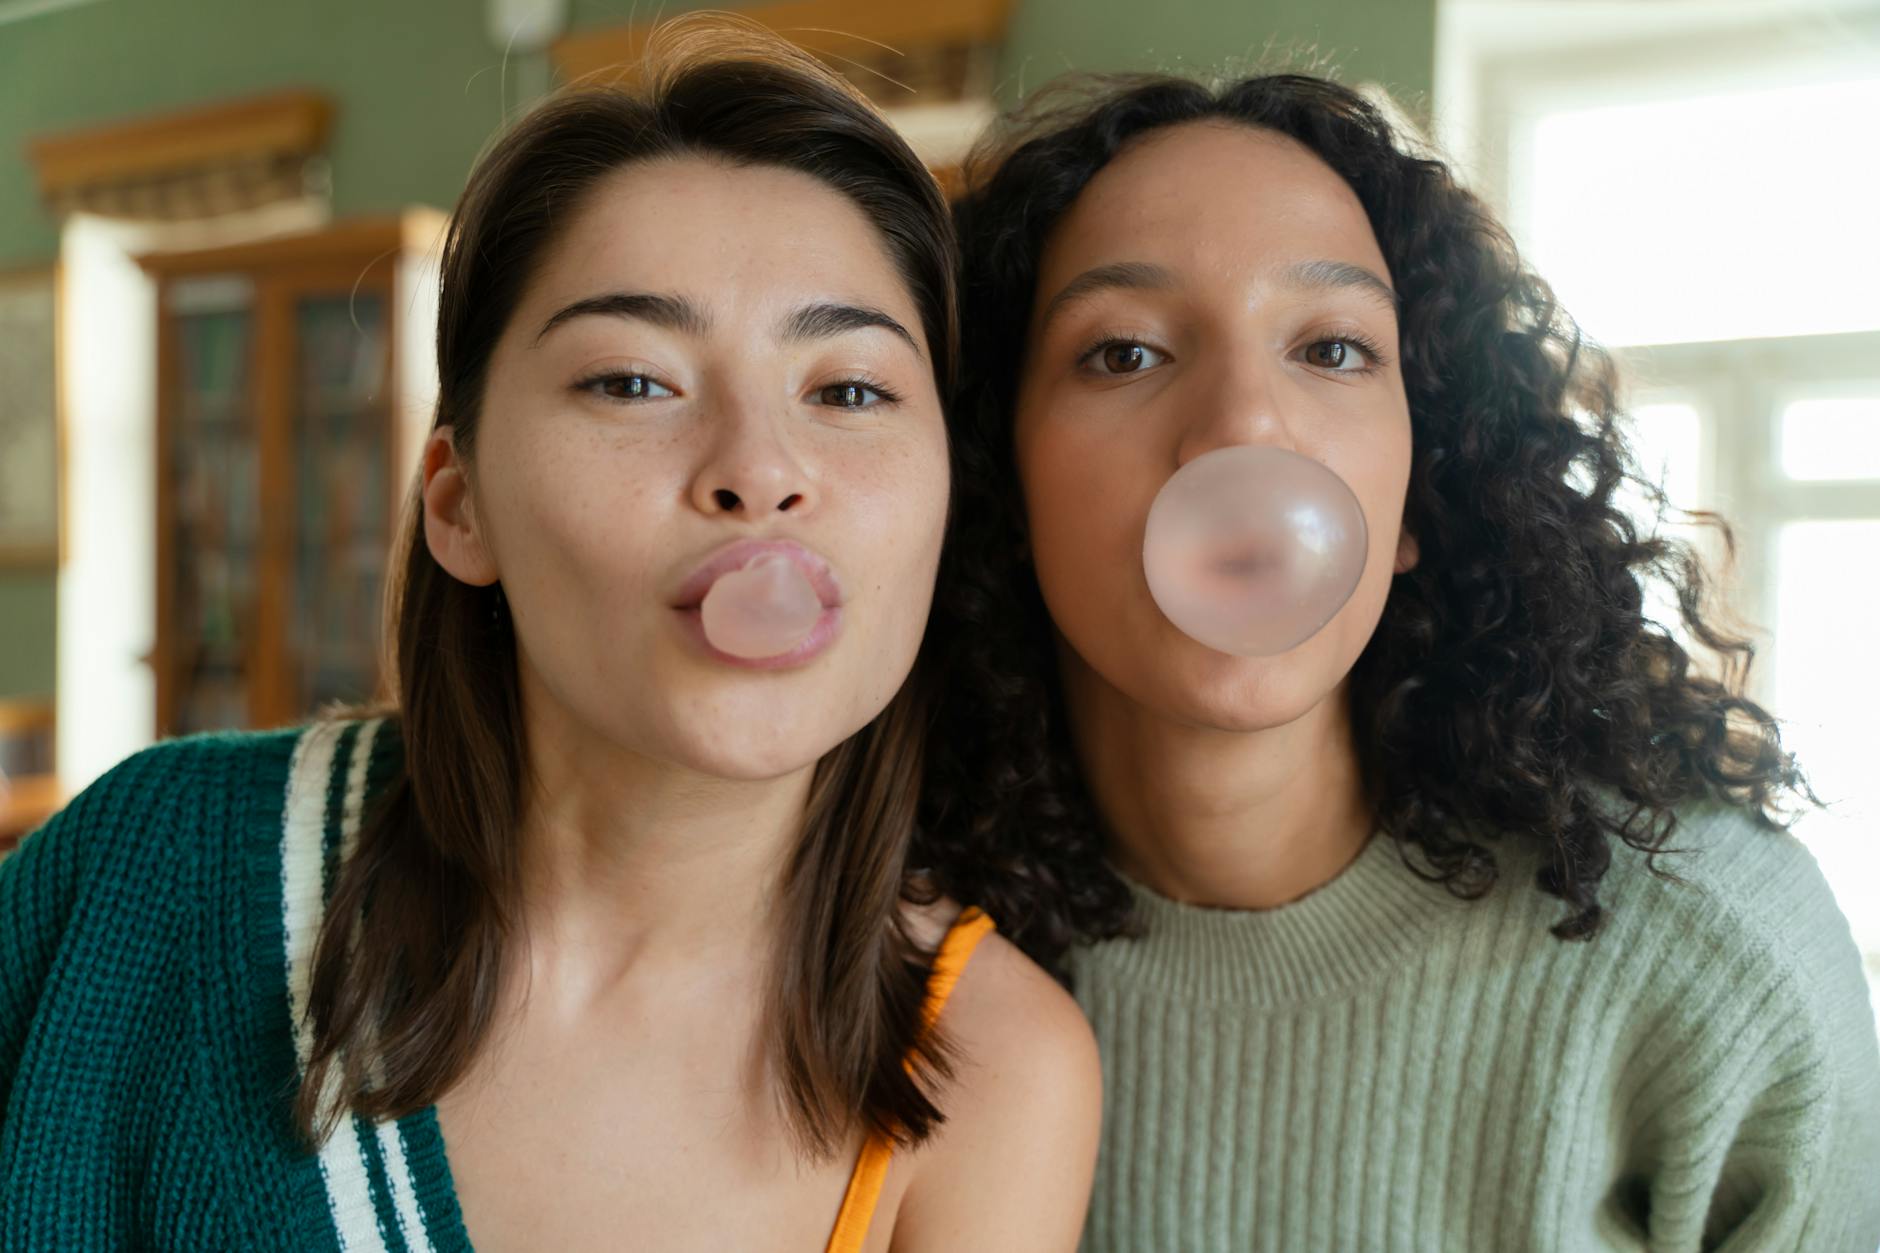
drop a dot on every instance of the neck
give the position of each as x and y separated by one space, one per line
1229 819
632 866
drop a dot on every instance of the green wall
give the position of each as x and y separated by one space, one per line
413 107
419 85
1390 41
419 89
26 633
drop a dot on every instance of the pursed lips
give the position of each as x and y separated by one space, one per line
737 555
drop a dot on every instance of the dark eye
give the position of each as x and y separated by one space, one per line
849 396
1335 354
1126 356
628 387
1123 358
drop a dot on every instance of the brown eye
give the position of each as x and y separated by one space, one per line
1123 358
626 385
1328 354
849 396
1341 356
1116 357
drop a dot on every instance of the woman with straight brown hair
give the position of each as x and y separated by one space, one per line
603 933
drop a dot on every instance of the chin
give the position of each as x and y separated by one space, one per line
751 754
1193 685
759 740
1256 695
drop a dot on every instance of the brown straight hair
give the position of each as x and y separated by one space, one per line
406 969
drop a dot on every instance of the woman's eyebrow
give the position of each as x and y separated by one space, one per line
820 321
1336 274
1138 275
1132 275
675 313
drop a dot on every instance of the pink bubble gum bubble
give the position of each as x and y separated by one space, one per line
763 610
1252 549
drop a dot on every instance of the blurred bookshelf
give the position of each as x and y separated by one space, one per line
295 384
29 791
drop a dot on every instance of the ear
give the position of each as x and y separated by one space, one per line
450 523
1407 552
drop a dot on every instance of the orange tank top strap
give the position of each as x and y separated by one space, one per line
871 1168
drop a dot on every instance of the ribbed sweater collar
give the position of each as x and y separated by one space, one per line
1357 928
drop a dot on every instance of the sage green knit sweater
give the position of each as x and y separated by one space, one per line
1380 1066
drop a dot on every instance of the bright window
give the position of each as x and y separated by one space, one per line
1832 437
1704 203
1733 216
1667 441
1827 689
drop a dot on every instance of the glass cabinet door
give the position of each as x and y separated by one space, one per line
211 464
341 448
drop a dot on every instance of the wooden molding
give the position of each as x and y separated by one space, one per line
418 228
286 123
19 715
31 558
816 24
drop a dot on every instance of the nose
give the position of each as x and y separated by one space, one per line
1238 398
751 470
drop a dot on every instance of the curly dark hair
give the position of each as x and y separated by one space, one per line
1515 686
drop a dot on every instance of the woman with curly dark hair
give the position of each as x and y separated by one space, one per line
1471 921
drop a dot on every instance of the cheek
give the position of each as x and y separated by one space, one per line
569 516
1378 472
1086 499
893 506
1368 446
881 517
1381 479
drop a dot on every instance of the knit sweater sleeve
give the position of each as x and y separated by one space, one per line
95 847
42 883
1760 1119
38 885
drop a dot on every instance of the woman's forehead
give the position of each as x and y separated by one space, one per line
1200 197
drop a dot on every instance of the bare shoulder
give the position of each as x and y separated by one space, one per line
1012 1166
1006 1016
1007 1012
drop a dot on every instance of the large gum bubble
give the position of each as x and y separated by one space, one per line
1252 549
763 610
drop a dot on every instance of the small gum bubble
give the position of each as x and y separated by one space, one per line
763 610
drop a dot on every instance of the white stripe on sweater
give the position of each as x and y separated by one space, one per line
391 1143
356 787
342 1165
404 1196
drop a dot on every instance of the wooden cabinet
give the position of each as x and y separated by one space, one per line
295 383
29 792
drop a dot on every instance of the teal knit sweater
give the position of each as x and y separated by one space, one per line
1380 1066
154 943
